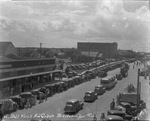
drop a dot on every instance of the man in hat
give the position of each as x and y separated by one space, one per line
112 105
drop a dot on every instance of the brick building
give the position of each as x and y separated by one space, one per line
92 49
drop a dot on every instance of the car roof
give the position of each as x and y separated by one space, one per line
125 103
99 86
72 100
108 77
115 111
17 96
89 91
113 117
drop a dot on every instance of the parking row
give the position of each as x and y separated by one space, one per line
29 99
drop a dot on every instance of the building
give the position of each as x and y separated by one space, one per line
107 50
7 48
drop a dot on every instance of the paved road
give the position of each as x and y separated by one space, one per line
54 106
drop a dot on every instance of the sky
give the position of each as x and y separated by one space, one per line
63 23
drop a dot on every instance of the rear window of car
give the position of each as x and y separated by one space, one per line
69 103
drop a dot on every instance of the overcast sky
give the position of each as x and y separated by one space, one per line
63 23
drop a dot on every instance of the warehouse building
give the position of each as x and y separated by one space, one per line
106 50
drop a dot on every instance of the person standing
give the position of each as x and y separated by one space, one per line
112 105
102 117
12 90
46 94
94 118
28 104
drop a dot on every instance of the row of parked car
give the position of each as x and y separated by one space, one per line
14 103
124 111
87 66
74 105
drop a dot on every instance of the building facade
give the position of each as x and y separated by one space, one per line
106 49
7 48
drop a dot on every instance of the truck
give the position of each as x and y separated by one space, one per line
131 99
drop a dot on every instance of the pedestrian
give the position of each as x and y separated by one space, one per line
94 118
12 90
112 105
40 97
102 117
46 94
27 104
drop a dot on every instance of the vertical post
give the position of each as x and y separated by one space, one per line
40 49
138 91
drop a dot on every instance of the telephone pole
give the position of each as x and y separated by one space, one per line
138 89
40 49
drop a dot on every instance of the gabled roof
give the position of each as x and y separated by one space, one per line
4 45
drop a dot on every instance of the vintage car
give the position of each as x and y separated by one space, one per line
130 109
36 93
42 89
120 113
99 89
90 96
118 76
8 106
113 118
102 74
28 95
51 88
120 108
59 87
18 100
73 106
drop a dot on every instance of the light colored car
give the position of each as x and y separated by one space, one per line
73 106
99 89
90 96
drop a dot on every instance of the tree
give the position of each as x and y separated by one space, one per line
73 54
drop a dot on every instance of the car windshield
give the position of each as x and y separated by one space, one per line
97 87
87 94
69 103
105 82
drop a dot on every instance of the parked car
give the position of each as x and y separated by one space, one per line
113 118
73 106
8 106
99 89
28 95
120 113
102 74
51 88
18 100
119 77
42 89
36 93
130 109
90 96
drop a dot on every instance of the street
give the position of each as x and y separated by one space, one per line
53 107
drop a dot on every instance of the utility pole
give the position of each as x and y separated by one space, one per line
40 49
138 89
